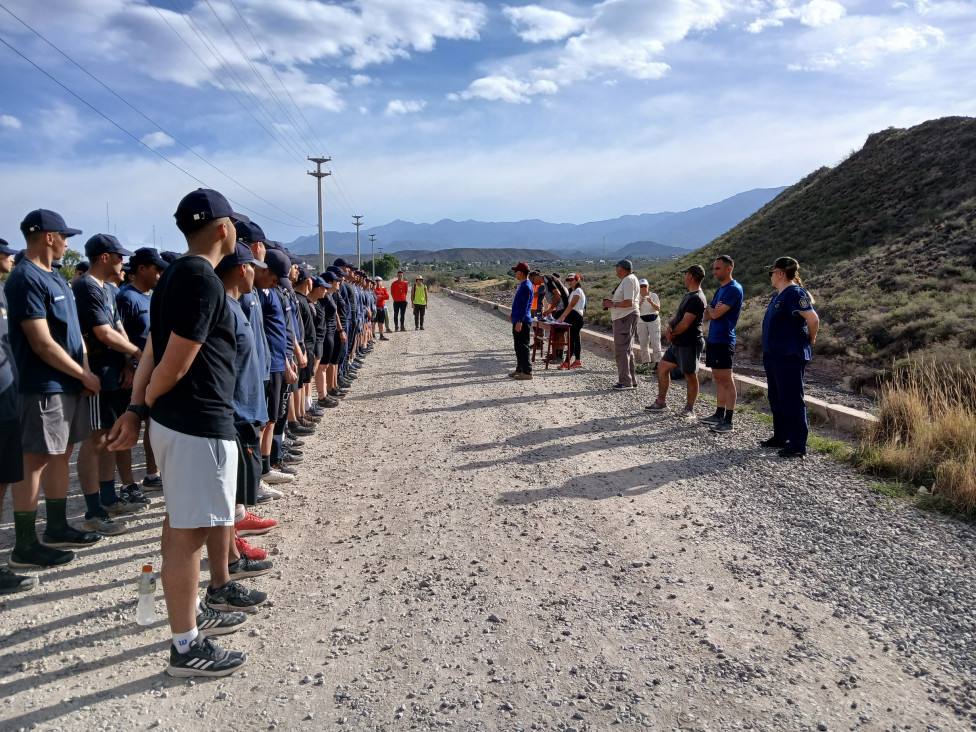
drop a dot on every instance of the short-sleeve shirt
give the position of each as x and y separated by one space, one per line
96 307
628 289
646 308
399 289
694 303
36 294
251 305
328 306
250 402
274 328
134 313
785 331
722 330
9 401
342 308
190 301
381 297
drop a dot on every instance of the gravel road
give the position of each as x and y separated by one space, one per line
463 550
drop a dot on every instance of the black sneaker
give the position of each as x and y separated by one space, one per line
134 494
153 483
336 393
772 443
69 536
214 622
787 452
39 555
297 429
204 658
125 505
286 469
233 596
293 442
331 403
245 567
10 582
712 419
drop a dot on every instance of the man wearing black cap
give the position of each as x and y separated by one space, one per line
623 306
110 356
53 373
80 269
522 322
186 378
11 451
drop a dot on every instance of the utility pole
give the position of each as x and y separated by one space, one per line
372 252
319 175
357 223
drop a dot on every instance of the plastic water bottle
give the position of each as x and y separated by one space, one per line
146 612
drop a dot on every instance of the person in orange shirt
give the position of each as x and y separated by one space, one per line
381 297
398 289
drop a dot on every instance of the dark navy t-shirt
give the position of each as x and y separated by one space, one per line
785 331
134 313
9 401
96 306
250 403
250 303
35 294
274 328
722 330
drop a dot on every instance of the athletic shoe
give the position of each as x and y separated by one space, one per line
331 404
276 477
722 427
286 469
421 327
104 524
214 622
69 536
345 384
522 377
773 443
249 550
657 406
622 387
293 451
512 374
576 365
233 596
335 393
134 494
204 658
39 555
712 419
297 429
245 567
253 525
383 338
10 582
153 484
292 441
688 412
564 366
124 505
787 452
266 492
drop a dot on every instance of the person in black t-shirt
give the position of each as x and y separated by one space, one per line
186 377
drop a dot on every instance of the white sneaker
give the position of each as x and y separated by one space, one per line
276 477
266 490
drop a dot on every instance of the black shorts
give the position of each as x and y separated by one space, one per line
686 358
274 390
327 346
11 452
380 315
107 406
719 355
305 374
336 348
248 463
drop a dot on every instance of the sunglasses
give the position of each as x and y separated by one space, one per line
774 270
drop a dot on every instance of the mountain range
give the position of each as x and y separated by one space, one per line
659 235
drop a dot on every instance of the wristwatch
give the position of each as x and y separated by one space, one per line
140 410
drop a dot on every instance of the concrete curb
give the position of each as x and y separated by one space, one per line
845 419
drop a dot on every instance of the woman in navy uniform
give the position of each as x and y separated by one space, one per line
788 333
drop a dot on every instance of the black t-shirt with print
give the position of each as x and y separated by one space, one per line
694 303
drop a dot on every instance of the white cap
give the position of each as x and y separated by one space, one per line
641 282
378 278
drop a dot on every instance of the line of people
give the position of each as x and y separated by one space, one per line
230 354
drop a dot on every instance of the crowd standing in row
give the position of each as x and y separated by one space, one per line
789 332
230 354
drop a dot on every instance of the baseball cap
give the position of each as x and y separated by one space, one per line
249 232
336 271
201 206
277 262
377 278
626 264
268 244
319 282
82 266
697 270
340 262
146 256
242 254
104 244
642 282
126 266
535 273
303 273
293 258
44 220
329 277
170 257
5 248
420 277
784 263
521 267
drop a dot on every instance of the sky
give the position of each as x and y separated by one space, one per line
566 111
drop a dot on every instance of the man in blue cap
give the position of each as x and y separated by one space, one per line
53 375
111 357
186 380
339 296
11 451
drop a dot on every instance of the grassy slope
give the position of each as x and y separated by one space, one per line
886 243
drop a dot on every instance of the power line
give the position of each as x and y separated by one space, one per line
129 134
150 120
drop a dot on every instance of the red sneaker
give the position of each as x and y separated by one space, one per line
252 525
249 551
564 365
576 365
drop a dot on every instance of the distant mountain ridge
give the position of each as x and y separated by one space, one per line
684 231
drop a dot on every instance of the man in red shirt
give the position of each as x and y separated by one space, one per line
399 288
381 297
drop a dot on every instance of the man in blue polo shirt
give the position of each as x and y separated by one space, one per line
723 315
522 322
53 369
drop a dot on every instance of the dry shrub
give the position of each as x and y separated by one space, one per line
926 431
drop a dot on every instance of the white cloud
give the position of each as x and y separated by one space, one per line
361 80
403 106
504 89
871 48
9 122
761 24
535 24
156 140
819 13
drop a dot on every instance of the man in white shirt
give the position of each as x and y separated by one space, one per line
623 313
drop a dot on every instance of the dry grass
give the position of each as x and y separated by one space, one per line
926 433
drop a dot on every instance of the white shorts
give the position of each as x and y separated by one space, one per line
201 477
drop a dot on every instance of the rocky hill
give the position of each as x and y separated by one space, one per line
886 243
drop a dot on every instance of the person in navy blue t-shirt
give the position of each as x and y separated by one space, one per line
521 322
723 314
789 331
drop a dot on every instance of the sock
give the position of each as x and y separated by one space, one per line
265 464
720 412
182 641
152 476
239 513
107 490
728 415
24 529
56 518
93 504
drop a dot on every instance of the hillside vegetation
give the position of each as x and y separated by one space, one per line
886 243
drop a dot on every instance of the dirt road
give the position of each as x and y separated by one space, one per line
462 550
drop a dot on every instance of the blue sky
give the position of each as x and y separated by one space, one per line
560 110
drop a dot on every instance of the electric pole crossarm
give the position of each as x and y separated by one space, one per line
319 175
